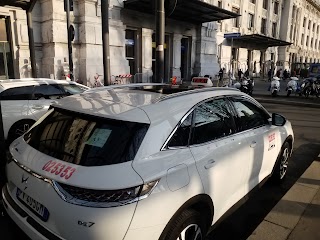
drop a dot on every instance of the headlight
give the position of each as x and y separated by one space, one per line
302 85
104 198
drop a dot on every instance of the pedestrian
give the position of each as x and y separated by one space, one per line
240 74
246 74
221 74
278 74
269 75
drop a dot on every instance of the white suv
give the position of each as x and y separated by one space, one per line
24 101
142 161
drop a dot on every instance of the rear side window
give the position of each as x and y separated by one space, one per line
86 141
17 93
181 137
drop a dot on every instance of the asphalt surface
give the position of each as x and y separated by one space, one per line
241 224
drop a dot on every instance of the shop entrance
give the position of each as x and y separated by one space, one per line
6 63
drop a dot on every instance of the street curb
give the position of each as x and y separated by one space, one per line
265 99
277 219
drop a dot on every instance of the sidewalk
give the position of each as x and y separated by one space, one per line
297 214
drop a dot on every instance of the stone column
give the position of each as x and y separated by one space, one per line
146 44
176 71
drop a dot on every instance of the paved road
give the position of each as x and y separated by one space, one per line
306 124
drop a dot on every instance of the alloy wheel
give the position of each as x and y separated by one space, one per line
191 232
284 163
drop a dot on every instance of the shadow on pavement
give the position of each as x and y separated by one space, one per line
245 220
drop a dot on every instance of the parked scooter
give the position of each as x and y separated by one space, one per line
293 86
311 86
275 86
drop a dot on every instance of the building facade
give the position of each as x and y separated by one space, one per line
259 22
190 48
300 25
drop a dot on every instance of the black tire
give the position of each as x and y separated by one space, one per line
289 93
307 92
18 129
281 166
274 93
190 223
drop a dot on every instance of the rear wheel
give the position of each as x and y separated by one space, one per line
307 92
288 93
18 129
189 225
281 166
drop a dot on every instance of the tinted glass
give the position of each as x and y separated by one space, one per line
18 93
45 91
181 136
86 141
71 89
249 115
212 120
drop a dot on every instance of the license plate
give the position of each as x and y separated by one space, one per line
36 207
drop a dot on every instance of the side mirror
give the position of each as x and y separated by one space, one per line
278 120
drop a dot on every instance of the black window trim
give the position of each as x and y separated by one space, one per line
191 111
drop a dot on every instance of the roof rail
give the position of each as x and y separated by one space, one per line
198 90
99 89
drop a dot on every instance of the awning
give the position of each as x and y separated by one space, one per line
193 11
260 40
24 4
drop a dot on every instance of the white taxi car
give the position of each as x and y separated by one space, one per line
24 101
142 161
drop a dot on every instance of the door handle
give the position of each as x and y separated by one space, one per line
209 164
37 107
253 144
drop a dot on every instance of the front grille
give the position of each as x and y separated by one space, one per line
91 195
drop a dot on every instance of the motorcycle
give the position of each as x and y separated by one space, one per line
311 86
275 86
293 86
247 85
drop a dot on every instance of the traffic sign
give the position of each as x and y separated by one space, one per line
232 35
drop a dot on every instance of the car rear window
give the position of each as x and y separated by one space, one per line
86 140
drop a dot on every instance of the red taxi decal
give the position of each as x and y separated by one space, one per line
272 139
59 169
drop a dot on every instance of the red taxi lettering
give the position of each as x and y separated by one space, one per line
59 169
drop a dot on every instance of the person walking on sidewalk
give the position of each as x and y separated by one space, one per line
269 75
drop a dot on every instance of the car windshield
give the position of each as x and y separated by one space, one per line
86 140
73 88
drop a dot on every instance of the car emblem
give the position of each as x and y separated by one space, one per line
25 181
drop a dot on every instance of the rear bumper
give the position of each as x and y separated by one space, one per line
30 226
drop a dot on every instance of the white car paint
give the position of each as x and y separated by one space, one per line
223 170
18 110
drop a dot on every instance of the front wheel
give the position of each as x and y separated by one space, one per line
274 93
307 92
289 93
189 225
281 166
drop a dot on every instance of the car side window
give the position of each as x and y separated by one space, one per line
17 93
213 120
181 136
48 91
249 115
